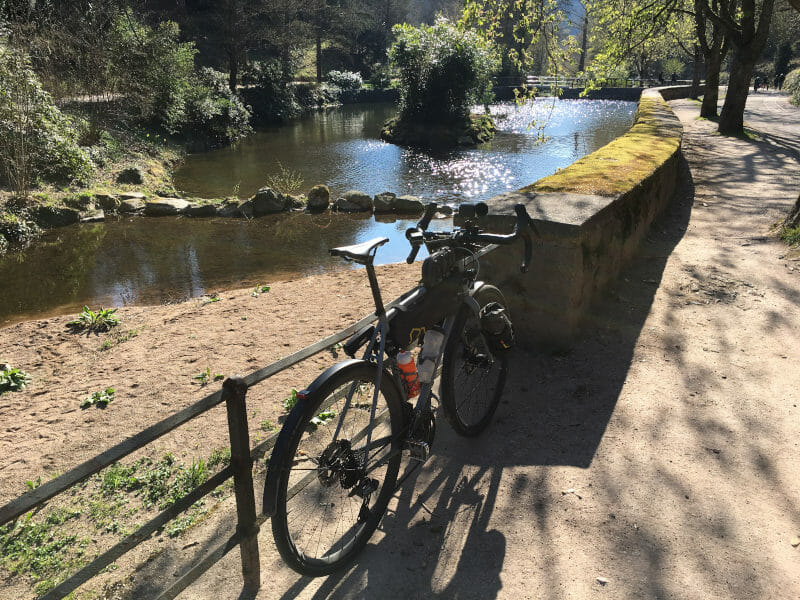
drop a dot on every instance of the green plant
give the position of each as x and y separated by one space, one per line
792 85
260 289
101 320
345 80
34 549
444 70
790 235
323 417
36 139
285 181
270 93
99 399
12 380
205 377
33 484
267 425
219 457
119 338
211 298
214 115
290 401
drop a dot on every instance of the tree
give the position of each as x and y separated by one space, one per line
746 25
630 31
713 44
444 71
520 29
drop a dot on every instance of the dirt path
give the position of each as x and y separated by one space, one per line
661 454
658 459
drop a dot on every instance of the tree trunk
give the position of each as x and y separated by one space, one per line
793 220
708 109
233 70
698 60
731 119
584 43
319 55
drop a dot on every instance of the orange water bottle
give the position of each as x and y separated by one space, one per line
408 372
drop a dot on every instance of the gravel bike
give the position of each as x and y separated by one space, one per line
336 461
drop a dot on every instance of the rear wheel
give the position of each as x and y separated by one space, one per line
329 503
472 377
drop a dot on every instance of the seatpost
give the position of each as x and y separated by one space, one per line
380 311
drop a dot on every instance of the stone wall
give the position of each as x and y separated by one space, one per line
590 217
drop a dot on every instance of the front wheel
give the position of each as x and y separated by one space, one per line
472 377
329 501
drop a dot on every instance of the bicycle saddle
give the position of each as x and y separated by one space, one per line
361 253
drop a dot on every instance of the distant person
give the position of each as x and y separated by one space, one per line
756 84
674 78
661 78
779 81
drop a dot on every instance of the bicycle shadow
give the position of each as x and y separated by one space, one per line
442 535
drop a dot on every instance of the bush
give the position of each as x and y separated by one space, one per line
214 115
36 139
271 99
155 70
792 85
345 80
444 71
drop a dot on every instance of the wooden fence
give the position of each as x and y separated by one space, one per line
233 394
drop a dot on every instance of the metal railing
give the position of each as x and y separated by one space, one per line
548 81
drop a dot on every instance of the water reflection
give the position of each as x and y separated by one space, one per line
153 261
149 261
341 149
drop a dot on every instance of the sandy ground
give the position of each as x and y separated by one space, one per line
657 459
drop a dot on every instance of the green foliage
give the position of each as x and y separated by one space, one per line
34 549
158 484
36 139
673 66
285 181
323 417
101 320
792 85
271 98
790 235
12 380
444 70
219 457
214 115
290 401
205 377
345 80
99 399
119 338
259 289
155 70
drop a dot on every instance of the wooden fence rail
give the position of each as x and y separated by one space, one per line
233 393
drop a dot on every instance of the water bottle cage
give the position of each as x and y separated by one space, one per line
497 328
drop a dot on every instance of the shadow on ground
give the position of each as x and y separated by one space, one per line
555 413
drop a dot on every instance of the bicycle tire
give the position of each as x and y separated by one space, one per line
471 384
319 525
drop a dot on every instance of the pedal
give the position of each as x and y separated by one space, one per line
417 450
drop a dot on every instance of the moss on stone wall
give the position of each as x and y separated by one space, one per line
624 163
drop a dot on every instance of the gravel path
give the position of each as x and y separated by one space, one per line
659 459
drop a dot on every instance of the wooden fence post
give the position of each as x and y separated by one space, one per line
235 389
